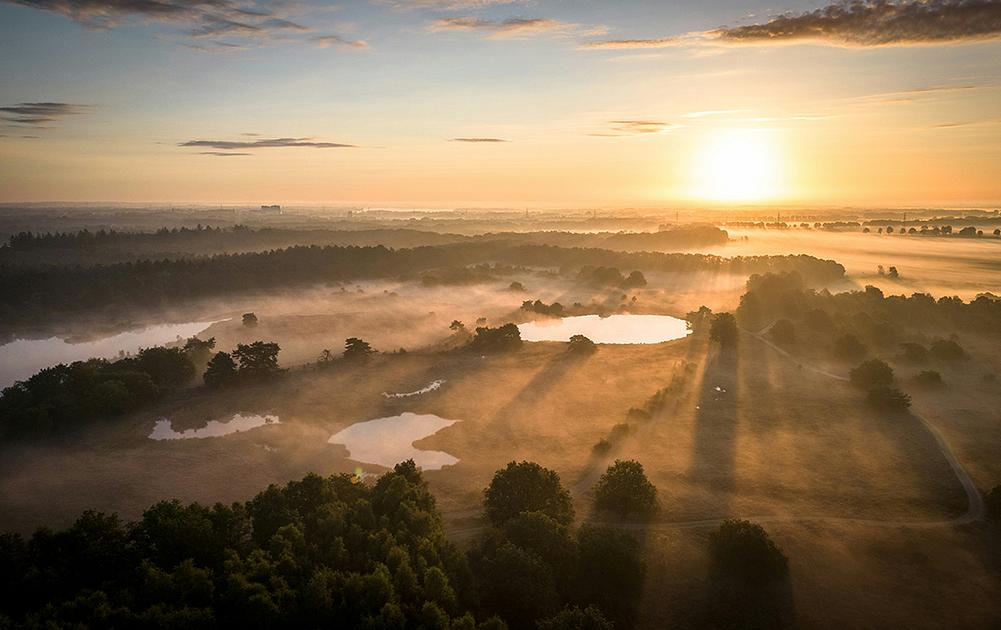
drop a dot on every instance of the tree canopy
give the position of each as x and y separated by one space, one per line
625 490
527 487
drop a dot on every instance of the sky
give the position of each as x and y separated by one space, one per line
502 103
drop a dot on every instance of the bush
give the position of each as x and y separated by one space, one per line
872 373
574 618
888 398
527 487
724 329
947 350
625 490
929 379
501 339
743 550
579 344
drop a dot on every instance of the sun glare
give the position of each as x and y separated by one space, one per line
736 165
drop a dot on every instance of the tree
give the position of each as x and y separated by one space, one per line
892 273
516 286
744 551
696 319
199 351
929 379
849 348
355 348
610 573
527 487
888 398
579 344
220 371
249 320
168 367
501 339
635 280
574 618
784 332
992 501
946 350
724 330
258 360
914 352
871 373
625 490
456 326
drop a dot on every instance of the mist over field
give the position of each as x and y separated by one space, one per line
500 314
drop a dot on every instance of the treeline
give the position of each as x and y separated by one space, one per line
785 295
329 552
33 294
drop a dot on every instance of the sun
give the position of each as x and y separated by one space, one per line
737 165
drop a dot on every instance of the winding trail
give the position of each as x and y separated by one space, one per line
974 500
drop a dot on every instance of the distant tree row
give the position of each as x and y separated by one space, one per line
538 306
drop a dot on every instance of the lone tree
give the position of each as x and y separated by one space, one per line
355 348
527 487
258 360
249 320
743 550
872 373
456 325
888 398
724 329
579 344
625 490
221 370
500 339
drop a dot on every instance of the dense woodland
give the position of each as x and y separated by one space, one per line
34 294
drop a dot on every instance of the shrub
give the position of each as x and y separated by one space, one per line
888 398
872 373
579 344
625 490
743 550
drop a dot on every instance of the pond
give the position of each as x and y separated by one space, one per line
163 430
21 358
389 441
611 329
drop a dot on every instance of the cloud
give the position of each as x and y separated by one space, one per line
250 22
268 143
223 153
854 23
39 114
326 41
619 128
479 140
444 5
511 27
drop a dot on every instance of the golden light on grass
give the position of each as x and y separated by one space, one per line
737 165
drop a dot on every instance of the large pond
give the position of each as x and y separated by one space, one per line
611 329
21 358
389 441
163 430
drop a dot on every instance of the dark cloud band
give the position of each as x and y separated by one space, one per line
269 143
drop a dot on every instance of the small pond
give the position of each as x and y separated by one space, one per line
389 441
612 329
21 358
163 430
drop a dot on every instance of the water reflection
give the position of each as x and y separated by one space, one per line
21 358
611 329
388 441
214 428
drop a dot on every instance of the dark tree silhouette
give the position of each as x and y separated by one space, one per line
355 348
888 398
743 550
527 487
579 344
500 339
257 360
724 330
249 320
221 370
625 490
871 373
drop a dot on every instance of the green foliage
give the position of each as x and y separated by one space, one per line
257 360
992 500
888 398
501 339
575 618
724 330
355 348
581 345
319 552
63 396
625 490
744 551
870 374
610 573
221 370
527 487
